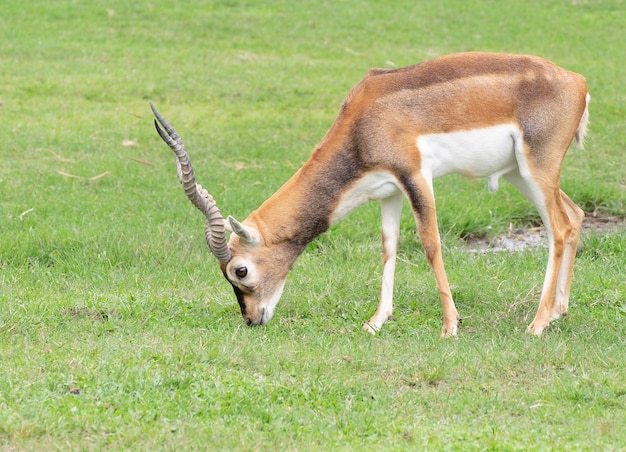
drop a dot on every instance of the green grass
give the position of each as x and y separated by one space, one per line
117 330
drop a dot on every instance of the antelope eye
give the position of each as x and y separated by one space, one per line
241 272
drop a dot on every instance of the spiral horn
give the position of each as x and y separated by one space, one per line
215 228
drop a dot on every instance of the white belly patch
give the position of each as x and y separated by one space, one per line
487 152
374 185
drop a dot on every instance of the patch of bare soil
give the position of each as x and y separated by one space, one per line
521 239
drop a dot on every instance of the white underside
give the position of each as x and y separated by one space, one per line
487 152
372 186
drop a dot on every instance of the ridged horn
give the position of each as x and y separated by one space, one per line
215 231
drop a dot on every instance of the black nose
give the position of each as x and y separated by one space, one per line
248 322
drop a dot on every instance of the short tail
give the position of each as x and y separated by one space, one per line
581 131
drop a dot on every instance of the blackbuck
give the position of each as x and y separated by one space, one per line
478 114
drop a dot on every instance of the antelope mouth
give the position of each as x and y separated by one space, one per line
261 320
264 317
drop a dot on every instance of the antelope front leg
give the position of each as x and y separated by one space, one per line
423 203
390 209
432 248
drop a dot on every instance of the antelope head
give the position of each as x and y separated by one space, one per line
244 259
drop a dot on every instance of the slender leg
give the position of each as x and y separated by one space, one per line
562 242
391 209
575 215
420 193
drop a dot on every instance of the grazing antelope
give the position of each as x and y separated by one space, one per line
479 114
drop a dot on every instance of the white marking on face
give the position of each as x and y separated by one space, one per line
374 185
251 283
251 277
268 312
486 152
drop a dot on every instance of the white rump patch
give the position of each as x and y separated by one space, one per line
487 152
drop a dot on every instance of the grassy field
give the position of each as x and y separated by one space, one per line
117 330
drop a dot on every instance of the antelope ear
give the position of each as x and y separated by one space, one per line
245 233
